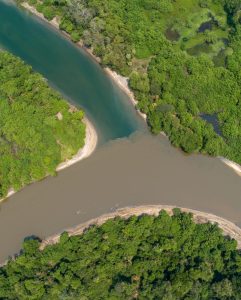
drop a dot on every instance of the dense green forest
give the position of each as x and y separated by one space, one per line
146 257
183 58
38 130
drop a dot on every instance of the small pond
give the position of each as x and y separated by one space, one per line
206 26
213 120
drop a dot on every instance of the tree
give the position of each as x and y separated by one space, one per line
144 257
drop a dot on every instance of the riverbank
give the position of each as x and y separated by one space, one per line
231 164
34 11
91 140
228 228
120 80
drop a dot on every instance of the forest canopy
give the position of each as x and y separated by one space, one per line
38 129
183 59
146 257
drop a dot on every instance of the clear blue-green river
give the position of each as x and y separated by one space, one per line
130 167
70 70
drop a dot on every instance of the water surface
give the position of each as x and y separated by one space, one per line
213 120
129 171
135 171
70 70
206 26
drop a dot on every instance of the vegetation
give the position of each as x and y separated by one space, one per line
38 130
143 257
183 59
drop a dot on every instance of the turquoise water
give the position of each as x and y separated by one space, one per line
70 70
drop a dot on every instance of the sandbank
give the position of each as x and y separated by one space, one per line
228 228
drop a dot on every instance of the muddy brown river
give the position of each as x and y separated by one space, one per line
139 170
131 167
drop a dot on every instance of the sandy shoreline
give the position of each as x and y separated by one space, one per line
91 140
123 84
228 228
233 165
34 11
120 80
91 135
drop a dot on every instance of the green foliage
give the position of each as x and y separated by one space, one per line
33 139
142 257
169 49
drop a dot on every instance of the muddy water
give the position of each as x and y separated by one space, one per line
129 171
139 170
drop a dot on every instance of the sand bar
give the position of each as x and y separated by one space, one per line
91 140
228 228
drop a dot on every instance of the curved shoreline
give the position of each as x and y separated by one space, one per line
228 228
152 208
91 140
123 84
120 80
231 164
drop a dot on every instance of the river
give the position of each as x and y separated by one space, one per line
130 167
70 70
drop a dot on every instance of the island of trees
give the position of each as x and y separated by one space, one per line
142 257
183 60
38 129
